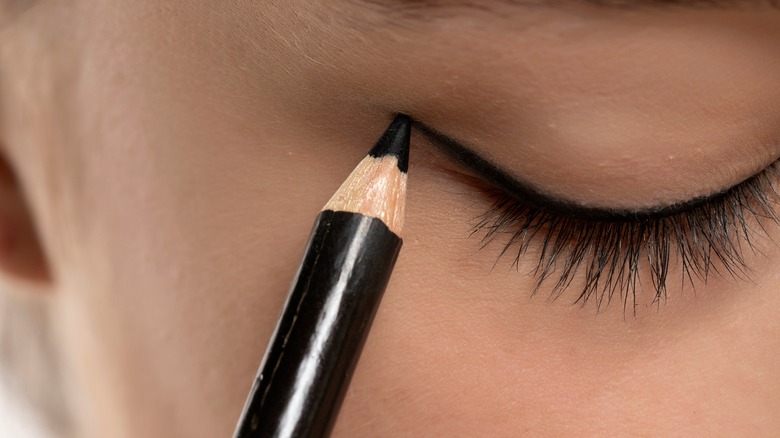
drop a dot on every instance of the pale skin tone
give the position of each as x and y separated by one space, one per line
171 157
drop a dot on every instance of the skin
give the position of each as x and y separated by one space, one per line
169 159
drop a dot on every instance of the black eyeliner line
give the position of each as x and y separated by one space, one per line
527 194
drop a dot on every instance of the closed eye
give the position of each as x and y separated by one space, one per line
607 252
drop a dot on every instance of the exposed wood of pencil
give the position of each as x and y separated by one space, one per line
376 188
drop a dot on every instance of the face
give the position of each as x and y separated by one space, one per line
173 157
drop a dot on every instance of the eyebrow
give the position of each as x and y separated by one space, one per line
531 196
422 8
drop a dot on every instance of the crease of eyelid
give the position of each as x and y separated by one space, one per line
529 195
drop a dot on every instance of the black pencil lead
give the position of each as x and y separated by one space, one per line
395 141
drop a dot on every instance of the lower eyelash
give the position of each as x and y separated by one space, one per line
709 239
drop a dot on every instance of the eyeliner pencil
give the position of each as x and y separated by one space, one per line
333 299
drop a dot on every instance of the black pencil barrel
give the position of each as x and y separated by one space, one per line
315 347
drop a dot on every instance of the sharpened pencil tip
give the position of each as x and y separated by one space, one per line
395 141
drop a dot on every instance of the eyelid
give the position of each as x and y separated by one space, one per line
528 194
609 253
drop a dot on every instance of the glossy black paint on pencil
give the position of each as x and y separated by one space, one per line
305 374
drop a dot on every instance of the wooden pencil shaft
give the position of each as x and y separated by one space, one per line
376 188
315 347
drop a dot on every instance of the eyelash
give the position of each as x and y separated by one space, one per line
710 238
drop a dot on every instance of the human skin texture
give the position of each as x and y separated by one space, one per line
171 157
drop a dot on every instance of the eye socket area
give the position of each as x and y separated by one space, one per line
610 252
650 187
